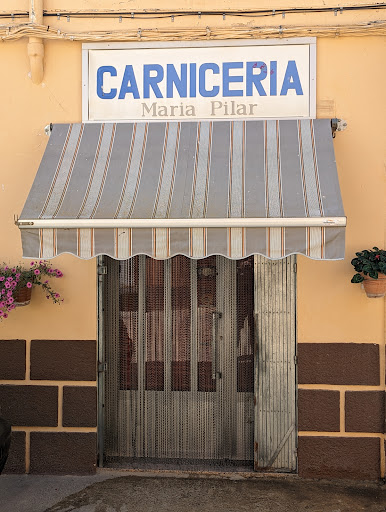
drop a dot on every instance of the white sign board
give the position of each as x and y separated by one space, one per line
207 82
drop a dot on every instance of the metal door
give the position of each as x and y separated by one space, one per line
179 353
275 365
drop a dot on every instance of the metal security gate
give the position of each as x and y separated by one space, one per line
275 364
180 363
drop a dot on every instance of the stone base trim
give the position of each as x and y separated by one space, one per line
48 393
13 359
339 363
341 406
319 410
356 458
63 453
16 462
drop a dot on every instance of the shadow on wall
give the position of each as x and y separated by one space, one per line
5 441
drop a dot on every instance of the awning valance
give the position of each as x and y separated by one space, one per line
233 188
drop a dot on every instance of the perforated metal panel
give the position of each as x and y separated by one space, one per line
179 379
275 318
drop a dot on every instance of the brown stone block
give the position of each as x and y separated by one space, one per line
16 456
12 359
319 410
65 453
79 406
63 359
365 411
338 457
30 406
338 363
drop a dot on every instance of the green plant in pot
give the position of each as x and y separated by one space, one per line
370 265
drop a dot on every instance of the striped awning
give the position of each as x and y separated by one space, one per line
233 188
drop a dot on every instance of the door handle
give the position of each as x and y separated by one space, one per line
215 316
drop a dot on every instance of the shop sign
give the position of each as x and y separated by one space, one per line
217 82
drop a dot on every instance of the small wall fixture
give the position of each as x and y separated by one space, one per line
338 125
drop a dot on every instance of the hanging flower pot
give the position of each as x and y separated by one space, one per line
22 297
371 271
16 284
375 288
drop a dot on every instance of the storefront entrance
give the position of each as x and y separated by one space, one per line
181 365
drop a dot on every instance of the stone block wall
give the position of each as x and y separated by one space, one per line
341 410
48 393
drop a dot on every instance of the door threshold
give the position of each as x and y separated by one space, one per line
195 474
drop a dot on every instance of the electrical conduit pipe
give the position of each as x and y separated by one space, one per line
35 44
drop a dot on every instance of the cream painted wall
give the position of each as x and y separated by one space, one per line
350 76
25 109
352 73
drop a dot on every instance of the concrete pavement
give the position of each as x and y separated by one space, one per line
122 491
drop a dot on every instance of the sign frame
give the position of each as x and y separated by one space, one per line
86 47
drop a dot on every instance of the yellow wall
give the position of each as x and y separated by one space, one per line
350 84
350 72
25 110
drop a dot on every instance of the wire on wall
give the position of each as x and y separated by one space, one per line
159 14
12 33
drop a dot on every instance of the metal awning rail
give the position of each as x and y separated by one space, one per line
183 223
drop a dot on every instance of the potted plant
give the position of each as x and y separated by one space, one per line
370 266
16 284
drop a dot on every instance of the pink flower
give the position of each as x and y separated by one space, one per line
11 307
5 315
2 278
6 268
9 293
11 300
57 295
13 270
9 278
3 291
32 263
59 273
2 304
50 271
29 284
7 284
18 275
36 272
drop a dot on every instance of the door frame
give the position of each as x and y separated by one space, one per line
101 270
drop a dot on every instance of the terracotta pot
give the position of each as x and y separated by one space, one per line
375 288
22 296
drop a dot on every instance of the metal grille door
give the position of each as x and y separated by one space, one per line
275 420
180 364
